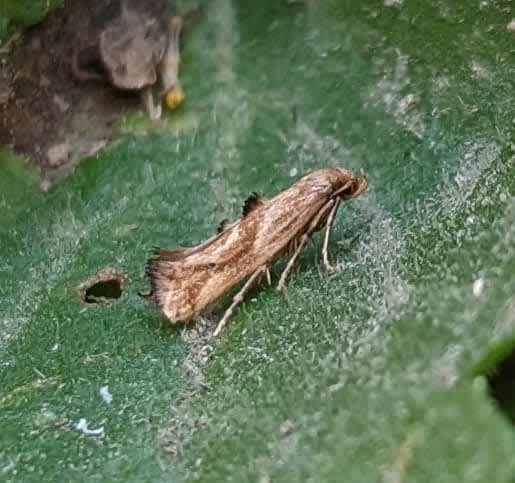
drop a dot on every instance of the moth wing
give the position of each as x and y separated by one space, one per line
171 254
177 274
173 286
181 253
185 281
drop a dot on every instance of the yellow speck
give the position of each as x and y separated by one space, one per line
174 98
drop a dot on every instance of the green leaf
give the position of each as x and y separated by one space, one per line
26 12
363 375
4 28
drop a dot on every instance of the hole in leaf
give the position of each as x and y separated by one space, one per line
110 289
106 286
501 385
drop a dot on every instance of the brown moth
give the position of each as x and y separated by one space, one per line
184 281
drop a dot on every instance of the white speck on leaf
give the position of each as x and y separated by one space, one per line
511 26
105 394
333 388
392 3
82 426
445 368
286 428
293 172
478 286
480 71
409 101
389 93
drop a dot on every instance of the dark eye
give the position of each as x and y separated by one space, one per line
349 190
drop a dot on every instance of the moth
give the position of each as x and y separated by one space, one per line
184 281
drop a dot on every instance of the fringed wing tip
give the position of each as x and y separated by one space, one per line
150 272
155 271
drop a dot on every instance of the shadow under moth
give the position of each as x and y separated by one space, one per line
184 281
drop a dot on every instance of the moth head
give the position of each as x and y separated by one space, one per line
348 185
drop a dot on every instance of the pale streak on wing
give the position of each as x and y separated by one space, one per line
203 273
275 223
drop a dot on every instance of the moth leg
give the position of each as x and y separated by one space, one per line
147 97
302 241
292 246
268 276
238 298
328 227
